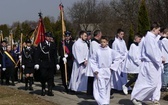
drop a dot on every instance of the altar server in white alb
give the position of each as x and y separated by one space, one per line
132 62
104 60
78 81
164 49
94 45
119 78
148 84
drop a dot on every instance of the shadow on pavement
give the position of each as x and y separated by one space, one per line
37 92
84 96
59 88
87 103
21 88
127 102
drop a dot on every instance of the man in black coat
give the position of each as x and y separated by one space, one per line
2 49
66 58
46 61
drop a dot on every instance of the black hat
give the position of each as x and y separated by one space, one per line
28 40
3 41
48 34
88 33
67 33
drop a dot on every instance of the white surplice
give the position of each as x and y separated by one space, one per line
140 44
158 37
163 45
78 81
94 45
148 84
119 78
103 61
164 48
132 62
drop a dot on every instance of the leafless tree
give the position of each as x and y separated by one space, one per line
113 14
158 11
126 12
84 12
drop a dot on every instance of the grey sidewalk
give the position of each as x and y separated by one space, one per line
62 98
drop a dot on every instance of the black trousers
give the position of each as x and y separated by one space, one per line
37 75
47 75
10 74
2 76
69 69
132 80
90 86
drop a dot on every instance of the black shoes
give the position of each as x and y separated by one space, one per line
43 92
30 88
164 89
13 84
50 93
26 87
53 85
2 83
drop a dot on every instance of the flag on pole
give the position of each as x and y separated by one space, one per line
63 33
21 43
11 41
62 19
1 35
33 34
40 31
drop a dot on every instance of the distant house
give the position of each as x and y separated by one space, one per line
90 27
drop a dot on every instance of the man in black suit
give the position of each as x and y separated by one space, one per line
66 58
46 61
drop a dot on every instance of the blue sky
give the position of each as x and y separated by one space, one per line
21 10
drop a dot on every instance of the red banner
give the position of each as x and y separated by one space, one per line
40 37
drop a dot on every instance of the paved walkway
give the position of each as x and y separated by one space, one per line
62 98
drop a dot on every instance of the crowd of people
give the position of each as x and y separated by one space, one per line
94 64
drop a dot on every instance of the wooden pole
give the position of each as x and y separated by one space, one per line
63 30
11 39
21 42
21 46
0 35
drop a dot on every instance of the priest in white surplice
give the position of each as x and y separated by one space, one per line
148 84
94 45
80 52
119 78
102 62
